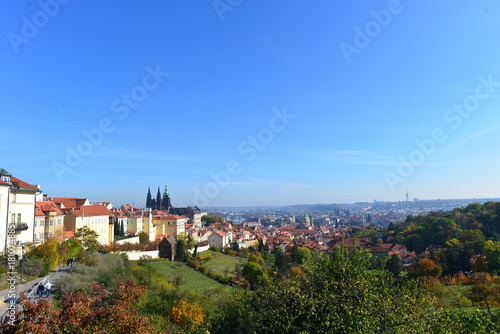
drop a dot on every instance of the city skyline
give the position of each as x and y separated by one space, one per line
252 103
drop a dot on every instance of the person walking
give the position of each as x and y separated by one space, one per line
48 288
39 289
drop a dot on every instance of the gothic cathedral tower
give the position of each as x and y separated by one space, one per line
166 204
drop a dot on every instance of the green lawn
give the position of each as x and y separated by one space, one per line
223 264
450 296
190 279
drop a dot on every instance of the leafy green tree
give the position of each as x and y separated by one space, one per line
143 238
116 230
393 265
474 239
88 238
184 244
281 262
70 248
122 228
257 258
332 294
211 220
491 251
455 257
371 234
119 230
208 220
253 273
180 250
301 254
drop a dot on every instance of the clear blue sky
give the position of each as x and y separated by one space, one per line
356 85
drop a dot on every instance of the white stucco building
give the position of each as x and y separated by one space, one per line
17 211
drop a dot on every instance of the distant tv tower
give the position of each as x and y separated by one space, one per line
407 197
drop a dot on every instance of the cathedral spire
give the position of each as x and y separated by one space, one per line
158 200
148 198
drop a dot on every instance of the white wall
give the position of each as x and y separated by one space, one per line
24 204
133 240
4 195
137 255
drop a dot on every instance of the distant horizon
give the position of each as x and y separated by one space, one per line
154 190
351 203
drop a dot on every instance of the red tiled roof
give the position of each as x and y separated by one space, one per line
92 211
221 233
48 206
22 184
118 213
69 203
68 234
170 217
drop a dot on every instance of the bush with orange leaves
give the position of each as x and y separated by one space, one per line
92 311
429 267
188 316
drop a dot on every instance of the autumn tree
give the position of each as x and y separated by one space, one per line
88 237
49 253
188 316
91 311
428 267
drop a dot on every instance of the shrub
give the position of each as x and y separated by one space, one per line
189 316
34 266
143 238
86 258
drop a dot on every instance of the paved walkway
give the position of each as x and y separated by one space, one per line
29 288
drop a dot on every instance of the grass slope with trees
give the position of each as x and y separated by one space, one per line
451 289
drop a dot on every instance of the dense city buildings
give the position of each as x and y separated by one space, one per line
29 217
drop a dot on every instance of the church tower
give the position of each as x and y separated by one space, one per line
158 200
148 199
166 203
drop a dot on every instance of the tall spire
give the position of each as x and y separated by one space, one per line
165 193
148 198
158 200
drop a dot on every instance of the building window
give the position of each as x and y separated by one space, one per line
13 218
19 218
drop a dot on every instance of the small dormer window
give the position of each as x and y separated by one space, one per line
6 179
